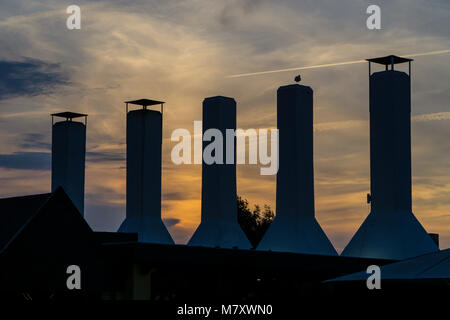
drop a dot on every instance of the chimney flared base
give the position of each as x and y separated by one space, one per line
393 235
149 230
301 235
223 234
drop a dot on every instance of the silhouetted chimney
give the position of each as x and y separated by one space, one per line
219 226
68 156
144 143
295 228
391 230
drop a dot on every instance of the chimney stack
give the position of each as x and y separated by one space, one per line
144 144
295 228
391 231
68 156
219 226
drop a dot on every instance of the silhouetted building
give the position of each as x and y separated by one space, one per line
391 230
425 275
433 266
40 236
295 228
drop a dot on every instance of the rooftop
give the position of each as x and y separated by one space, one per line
68 115
391 59
16 212
144 102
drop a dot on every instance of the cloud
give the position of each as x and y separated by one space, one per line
170 222
33 141
235 10
352 124
29 77
338 125
26 160
173 196
103 217
431 117
98 156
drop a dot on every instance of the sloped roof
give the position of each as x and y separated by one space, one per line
16 212
144 102
69 115
434 265
387 60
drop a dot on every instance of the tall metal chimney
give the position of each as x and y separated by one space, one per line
391 230
219 226
68 156
295 228
144 143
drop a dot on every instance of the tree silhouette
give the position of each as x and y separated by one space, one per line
254 222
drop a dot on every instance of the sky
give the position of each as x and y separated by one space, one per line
181 51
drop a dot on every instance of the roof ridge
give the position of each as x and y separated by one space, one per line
27 222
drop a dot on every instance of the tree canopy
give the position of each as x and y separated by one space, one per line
254 222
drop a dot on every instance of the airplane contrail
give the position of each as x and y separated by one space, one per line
329 65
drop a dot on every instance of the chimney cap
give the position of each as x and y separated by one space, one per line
68 115
388 60
145 102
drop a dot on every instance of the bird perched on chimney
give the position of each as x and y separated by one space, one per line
298 78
